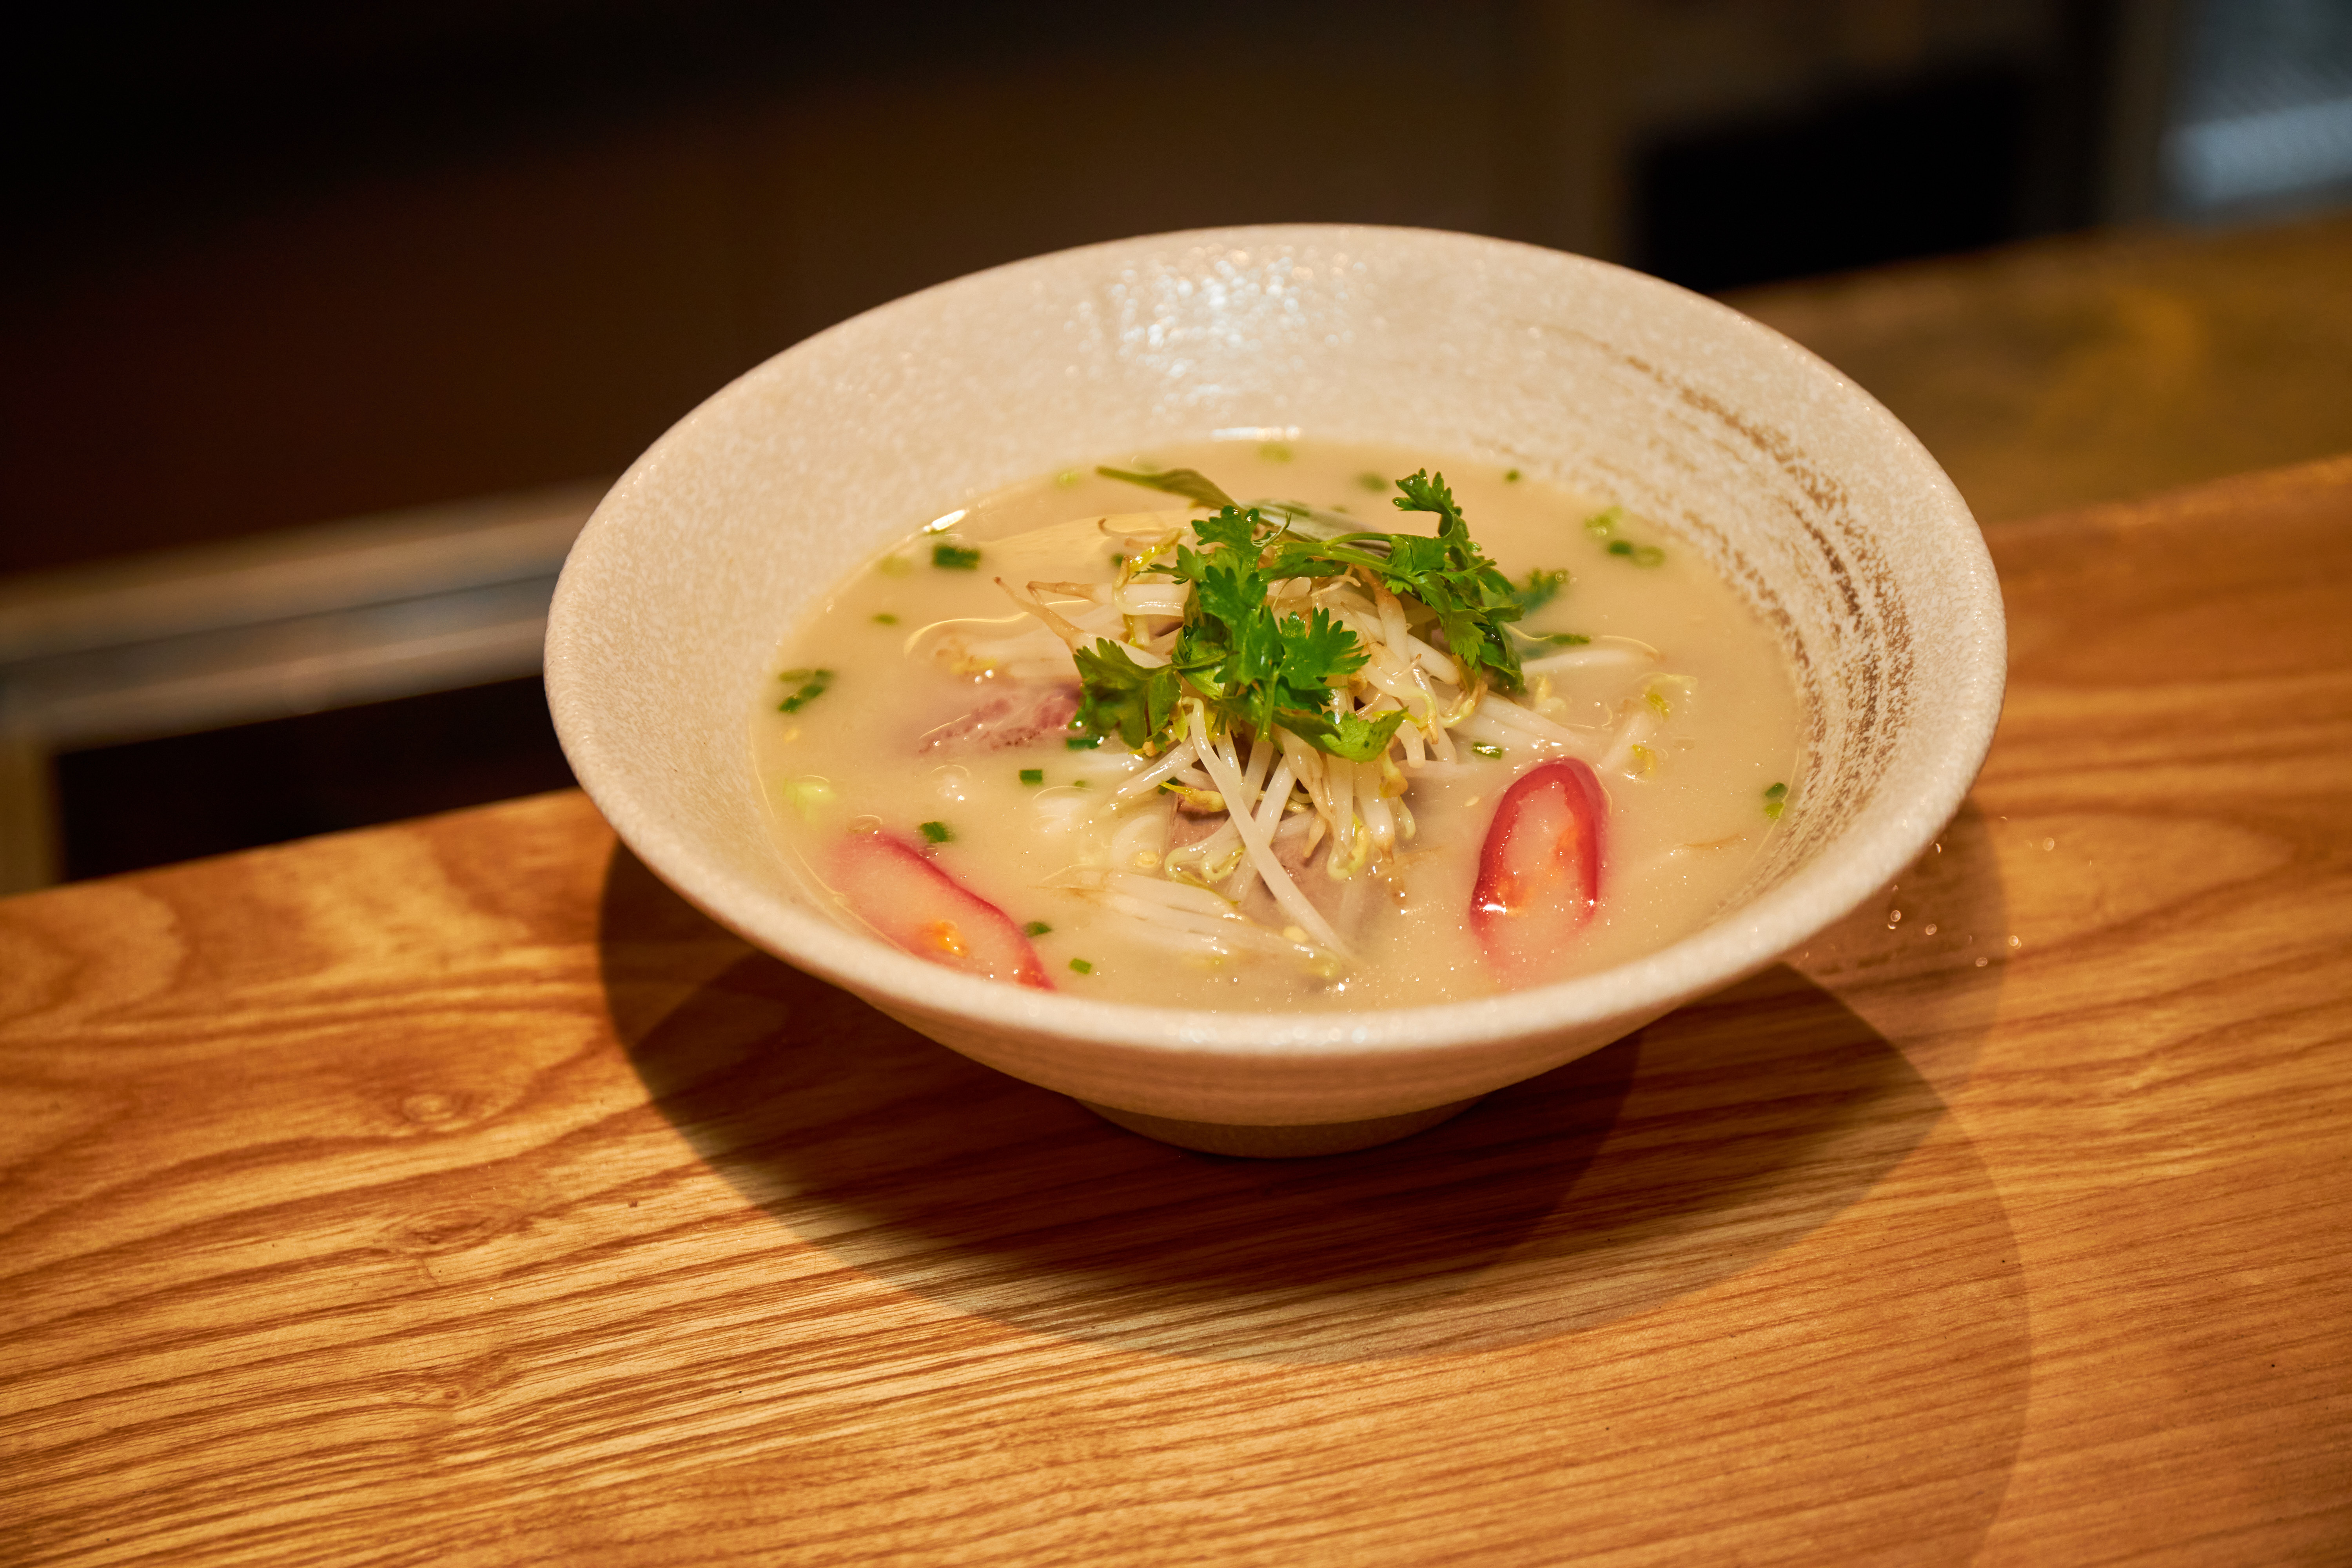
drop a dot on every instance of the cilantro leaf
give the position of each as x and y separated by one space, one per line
1119 696
1348 735
1250 667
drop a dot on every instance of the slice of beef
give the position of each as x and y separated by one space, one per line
1020 717
1347 902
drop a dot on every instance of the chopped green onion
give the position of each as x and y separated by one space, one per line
1487 747
1648 555
1036 928
1557 639
1082 966
807 795
954 557
1510 476
937 832
1067 477
886 619
813 686
1033 775
1777 791
1083 742
1621 547
1773 808
1601 525
1375 483
1540 589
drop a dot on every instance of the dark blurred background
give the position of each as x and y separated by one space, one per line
321 325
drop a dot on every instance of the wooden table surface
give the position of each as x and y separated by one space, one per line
2100 366
452 1194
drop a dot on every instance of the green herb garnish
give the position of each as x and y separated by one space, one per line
1082 966
1540 589
1556 639
954 557
1033 775
937 832
886 619
1376 483
1246 666
1083 742
1036 928
1485 748
1776 801
1603 527
812 685
1510 476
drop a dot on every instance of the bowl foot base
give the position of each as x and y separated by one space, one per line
1280 1143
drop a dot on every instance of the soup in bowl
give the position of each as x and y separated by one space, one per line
1573 646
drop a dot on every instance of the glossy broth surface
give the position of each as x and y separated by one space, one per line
861 732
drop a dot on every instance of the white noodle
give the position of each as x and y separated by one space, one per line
1482 728
1175 895
1393 631
1269 810
1261 752
1276 797
1342 775
1153 598
1505 711
1618 653
1637 732
1436 663
1147 780
1375 808
1143 835
1261 852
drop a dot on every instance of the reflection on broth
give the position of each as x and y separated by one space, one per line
1305 725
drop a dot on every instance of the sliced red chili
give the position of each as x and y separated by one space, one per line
918 908
1540 869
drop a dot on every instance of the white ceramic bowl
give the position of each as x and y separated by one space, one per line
1823 510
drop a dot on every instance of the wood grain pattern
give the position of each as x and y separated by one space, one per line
452 1194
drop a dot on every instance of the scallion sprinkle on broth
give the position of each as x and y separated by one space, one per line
1301 756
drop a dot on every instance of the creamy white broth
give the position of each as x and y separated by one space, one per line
875 738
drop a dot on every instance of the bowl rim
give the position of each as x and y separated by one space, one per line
1864 855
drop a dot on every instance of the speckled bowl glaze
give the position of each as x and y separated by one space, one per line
1825 511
